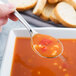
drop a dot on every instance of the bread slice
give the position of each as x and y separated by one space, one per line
52 1
45 15
39 7
65 14
72 2
53 17
22 5
48 13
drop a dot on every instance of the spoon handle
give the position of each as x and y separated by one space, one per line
23 21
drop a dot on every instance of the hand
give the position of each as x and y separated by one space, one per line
6 11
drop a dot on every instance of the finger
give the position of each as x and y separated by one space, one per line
13 17
3 20
6 9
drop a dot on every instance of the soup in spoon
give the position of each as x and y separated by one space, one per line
46 46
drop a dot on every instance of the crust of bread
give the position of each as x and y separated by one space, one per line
72 2
26 8
45 15
60 0
53 17
23 7
39 7
61 20
52 1
44 18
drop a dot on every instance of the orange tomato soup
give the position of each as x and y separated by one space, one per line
27 63
46 45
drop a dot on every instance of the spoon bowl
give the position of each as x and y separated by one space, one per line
46 46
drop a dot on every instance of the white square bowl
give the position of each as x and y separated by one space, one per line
69 33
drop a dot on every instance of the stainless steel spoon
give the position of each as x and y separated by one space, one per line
31 31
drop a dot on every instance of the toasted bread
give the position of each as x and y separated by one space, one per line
39 7
52 1
53 18
47 11
72 2
65 14
22 5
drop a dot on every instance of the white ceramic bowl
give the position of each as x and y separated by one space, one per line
8 56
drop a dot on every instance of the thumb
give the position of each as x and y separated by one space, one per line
6 9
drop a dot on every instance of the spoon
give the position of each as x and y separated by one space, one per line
46 41
34 35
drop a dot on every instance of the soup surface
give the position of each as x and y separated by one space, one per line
27 63
46 45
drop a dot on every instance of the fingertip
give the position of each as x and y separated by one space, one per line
11 8
6 9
